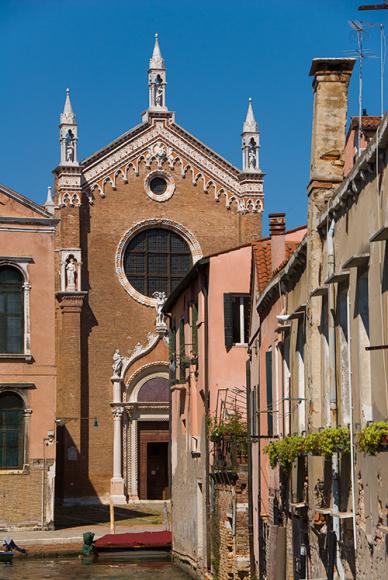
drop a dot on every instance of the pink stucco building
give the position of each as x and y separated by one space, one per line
27 363
209 320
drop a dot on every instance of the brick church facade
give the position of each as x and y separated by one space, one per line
133 218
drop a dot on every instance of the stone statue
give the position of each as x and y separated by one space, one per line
160 298
71 271
159 95
69 147
117 363
252 158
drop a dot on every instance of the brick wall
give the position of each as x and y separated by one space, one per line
21 497
229 537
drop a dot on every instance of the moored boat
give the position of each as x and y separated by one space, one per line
6 556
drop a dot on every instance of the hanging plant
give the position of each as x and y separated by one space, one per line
326 442
373 438
284 451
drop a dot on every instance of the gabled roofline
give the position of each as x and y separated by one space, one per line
27 202
143 126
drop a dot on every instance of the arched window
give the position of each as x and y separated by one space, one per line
156 260
154 390
11 310
11 431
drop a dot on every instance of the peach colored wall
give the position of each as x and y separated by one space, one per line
229 273
41 371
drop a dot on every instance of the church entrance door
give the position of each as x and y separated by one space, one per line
157 472
153 460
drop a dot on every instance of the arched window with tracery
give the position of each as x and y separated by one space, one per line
11 311
156 259
11 431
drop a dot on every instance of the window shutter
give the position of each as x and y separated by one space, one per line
172 355
194 329
268 373
228 321
182 369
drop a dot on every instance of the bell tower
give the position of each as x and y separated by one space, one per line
68 134
250 142
157 80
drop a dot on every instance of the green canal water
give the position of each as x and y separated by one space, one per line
74 568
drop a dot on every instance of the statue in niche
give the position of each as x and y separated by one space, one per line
69 147
117 363
71 274
252 157
160 299
159 95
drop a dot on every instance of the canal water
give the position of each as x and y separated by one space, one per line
74 568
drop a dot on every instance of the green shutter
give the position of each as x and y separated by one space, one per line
228 321
268 375
194 330
172 355
182 357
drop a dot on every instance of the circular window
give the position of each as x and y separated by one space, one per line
158 185
156 260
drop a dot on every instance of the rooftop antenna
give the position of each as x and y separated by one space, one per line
358 27
374 6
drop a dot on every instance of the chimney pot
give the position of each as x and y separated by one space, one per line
277 224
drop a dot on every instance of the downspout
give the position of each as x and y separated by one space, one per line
352 463
250 491
207 405
333 395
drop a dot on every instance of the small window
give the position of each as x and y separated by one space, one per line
11 311
236 319
11 431
158 185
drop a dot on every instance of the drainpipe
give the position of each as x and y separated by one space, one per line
207 405
250 478
333 394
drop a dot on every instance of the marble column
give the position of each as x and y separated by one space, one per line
117 481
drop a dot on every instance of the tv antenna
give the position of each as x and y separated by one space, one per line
374 6
358 27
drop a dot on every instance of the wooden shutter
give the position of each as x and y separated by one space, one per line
228 321
182 357
172 355
194 330
268 375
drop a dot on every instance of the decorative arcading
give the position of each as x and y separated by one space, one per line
162 146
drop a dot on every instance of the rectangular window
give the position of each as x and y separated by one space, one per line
268 377
236 319
364 371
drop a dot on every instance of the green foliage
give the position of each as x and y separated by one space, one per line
326 442
284 451
373 437
232 426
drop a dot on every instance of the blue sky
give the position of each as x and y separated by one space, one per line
217 55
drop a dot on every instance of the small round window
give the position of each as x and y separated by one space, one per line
158 185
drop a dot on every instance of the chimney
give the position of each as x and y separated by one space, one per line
277 232
330 87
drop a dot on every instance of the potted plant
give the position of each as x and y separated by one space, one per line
373 438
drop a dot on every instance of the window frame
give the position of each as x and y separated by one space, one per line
243 319
20 263
22 433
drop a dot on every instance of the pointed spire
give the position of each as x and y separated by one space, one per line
157 61
49 204
250 125
68 115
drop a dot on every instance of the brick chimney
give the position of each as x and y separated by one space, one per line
330 87
277 232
